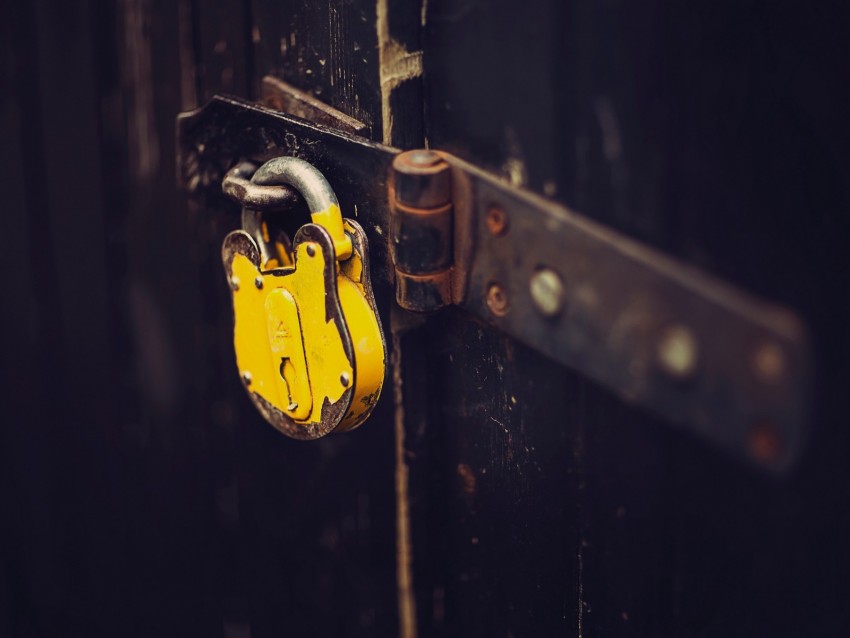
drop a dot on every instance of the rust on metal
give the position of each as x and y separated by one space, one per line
497 221
422 230
497 299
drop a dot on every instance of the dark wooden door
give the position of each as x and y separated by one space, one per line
494 492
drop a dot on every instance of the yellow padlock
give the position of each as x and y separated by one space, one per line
308 339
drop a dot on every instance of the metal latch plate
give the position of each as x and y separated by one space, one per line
658 332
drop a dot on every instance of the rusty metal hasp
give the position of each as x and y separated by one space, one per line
659 333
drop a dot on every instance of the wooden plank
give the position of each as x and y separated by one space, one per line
492 484
495 457
319 520
494 93
162 294
60 408
691 145
101 478
329 50
21 340
537 503
333 499
222 48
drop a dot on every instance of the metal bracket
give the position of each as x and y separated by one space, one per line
658 332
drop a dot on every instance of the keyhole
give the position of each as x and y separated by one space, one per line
286 368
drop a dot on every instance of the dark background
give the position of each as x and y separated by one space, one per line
141 495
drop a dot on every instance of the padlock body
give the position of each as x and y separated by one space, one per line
308 342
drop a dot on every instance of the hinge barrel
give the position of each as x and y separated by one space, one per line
421 231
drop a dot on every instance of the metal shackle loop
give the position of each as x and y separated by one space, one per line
238 186
316 191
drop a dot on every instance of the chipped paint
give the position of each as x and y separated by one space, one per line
395 65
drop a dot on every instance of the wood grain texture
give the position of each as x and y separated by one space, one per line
105 481
502 425
327 49
677 126
143 496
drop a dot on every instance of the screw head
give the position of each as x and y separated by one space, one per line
234 283
497 221
497 299
344 379
678 352
311 250
258 282
246 377
547 292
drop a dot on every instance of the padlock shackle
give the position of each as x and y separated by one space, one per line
238 186
316 191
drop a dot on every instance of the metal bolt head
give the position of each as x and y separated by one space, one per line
246 377
497 299
678 352
234 283
547 292
311 250
344 379
258 282
497 221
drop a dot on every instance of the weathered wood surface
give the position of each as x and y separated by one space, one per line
493 493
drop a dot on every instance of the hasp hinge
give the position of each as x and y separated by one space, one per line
700 352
